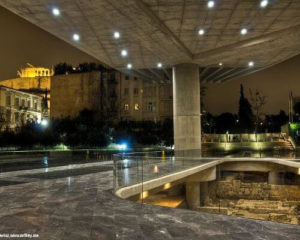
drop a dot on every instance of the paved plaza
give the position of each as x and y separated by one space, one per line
83 206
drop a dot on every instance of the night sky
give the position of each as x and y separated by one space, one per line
22 42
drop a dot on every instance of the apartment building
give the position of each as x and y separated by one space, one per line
17 108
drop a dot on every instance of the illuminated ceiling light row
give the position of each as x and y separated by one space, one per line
56 13
159 65
263 3
250 64
124 52
244 31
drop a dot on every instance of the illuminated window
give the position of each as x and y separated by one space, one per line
126 107
136 91
136 107
126 91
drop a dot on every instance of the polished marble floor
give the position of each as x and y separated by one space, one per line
84 207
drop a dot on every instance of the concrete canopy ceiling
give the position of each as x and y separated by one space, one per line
166 31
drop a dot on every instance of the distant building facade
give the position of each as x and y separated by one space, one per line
17 108
109 93
142 100
73 93
114 95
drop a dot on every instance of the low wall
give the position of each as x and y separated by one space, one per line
245 137
234 146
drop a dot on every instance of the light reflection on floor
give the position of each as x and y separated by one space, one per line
164 200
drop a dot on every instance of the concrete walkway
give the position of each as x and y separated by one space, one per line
84 207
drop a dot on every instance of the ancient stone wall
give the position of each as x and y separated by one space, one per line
236 189
72 93
42 83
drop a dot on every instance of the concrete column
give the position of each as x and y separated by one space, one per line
192 191
274 178
186 110
204 193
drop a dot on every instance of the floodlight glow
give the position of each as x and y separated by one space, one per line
220 64
55 11
129 65
201 32
210 4
264 3
159 65
124 53
44 122
122 146
244 31
116 35
76 37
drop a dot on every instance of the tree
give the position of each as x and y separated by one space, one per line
258 102
297 110
225 122
62 68
207 122
275 122
245 113
202 95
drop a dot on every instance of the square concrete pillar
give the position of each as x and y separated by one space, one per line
186 108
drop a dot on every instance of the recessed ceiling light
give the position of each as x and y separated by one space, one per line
116 35
55 12
124 53
129 65
201 32
210 4
159 65
244 31
251 64
220 64
76 37
264 3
